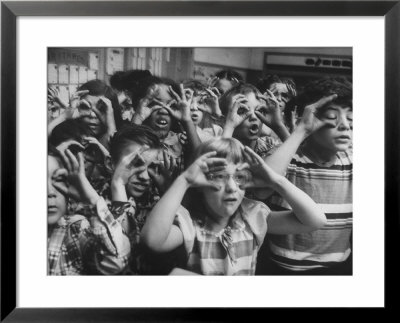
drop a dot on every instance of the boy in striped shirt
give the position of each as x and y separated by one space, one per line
317 158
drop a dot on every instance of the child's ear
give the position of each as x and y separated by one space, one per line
108 164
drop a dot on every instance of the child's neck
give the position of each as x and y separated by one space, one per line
215 223
250 143
319 155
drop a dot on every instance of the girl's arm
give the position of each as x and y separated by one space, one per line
159 233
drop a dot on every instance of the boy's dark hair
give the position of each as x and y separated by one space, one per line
128 80
241 88
194 85
265 83
316 90
144 85
140 134
68 130
230 75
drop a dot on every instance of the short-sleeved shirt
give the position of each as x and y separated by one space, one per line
233 250
331 188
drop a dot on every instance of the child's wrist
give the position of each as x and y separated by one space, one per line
184 180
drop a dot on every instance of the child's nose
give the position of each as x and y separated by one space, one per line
344 123
144 175
231 185
194 106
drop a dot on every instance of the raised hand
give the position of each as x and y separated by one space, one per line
164 175
72 145
76 98
262 175
238 111
310 121
210 103
93 141
127 167
196 174
271 114
78 186
53 94
183 101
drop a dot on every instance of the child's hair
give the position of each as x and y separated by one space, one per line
318 89
229 148
139 134
146 83
265 83
128 80
195 85
243 88
230 75
68 130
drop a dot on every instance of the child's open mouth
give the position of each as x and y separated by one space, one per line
161 123
230 200
254 129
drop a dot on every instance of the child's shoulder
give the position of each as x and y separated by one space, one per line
250 206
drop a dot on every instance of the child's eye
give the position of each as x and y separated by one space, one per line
242 111
263 110
61 179
330 115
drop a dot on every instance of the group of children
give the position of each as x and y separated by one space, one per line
150 177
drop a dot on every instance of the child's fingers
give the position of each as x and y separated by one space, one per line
261 117
81 161
174 94
244 166
63 189
253 154
73 160
158 102
216 162
166 160
80 93
325 100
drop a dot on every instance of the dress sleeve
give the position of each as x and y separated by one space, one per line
185 223
109 248
255 214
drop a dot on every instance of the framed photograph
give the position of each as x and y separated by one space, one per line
62 46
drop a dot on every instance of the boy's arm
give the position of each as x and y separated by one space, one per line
305 215
280 159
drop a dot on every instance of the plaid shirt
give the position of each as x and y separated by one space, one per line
233 250
80 246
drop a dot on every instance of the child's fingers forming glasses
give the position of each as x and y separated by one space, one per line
175 95
322 102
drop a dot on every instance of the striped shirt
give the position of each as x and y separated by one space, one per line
233 250
331 188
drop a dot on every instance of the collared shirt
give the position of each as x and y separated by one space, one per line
231 251
87 244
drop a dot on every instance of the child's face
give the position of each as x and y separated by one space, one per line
336 138
195 113
281 92
250 129
139 183
89 117
56 201
53 110
224 202
160 120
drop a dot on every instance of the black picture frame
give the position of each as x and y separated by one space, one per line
11 10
